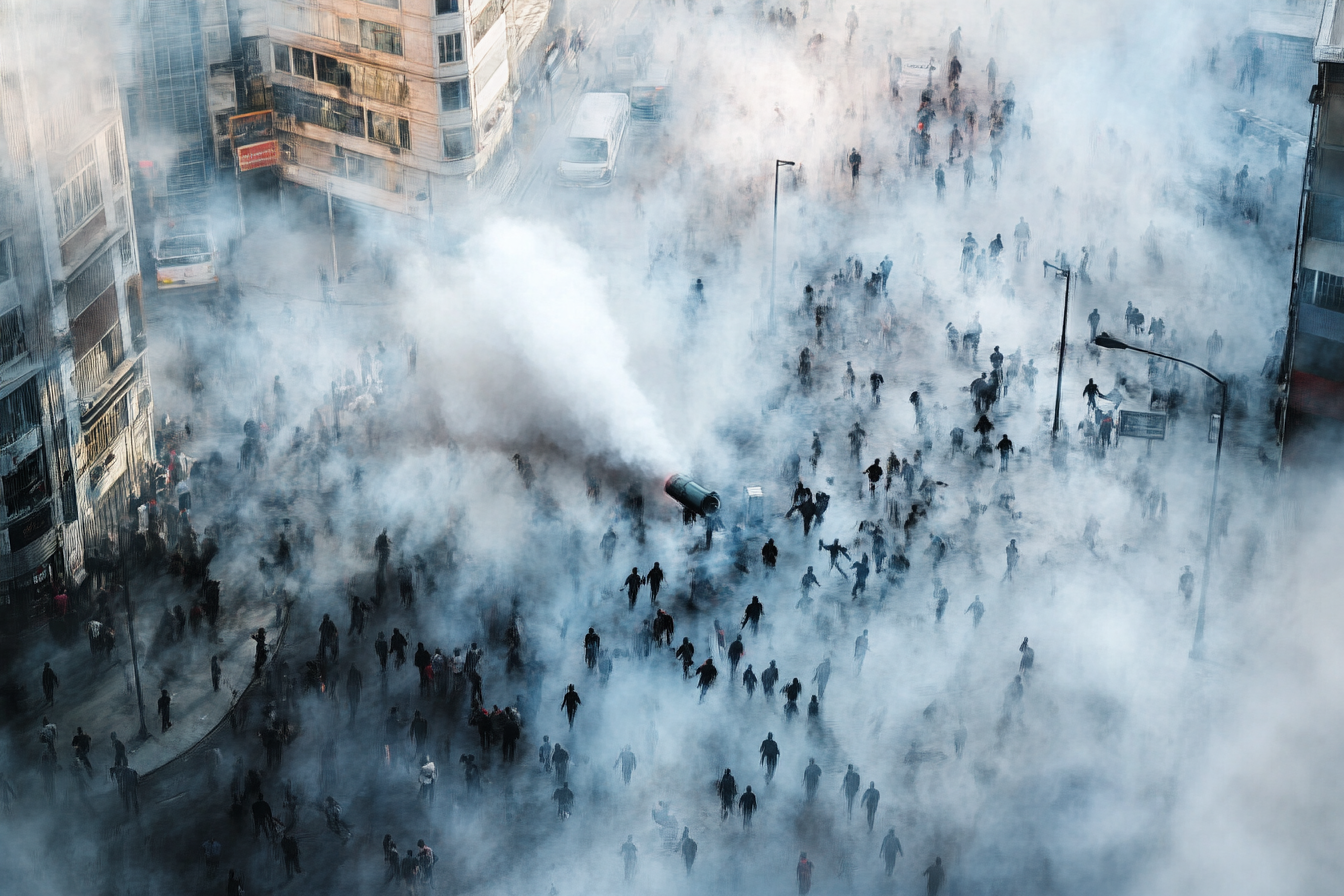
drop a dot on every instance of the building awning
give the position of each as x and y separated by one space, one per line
1330 36
1285 24
119 383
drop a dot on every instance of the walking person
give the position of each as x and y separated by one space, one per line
165 704
1022 234
1012 554
871 797
627 763
804 874
429 774
936 875
727 788
850 786
570 704
769 755
890 849
746 804
1090 392
49 683
688 848
630 856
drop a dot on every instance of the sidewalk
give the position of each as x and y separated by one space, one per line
100 697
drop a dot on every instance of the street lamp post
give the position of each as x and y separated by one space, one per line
1067 274
331 225
774 241
130 633
1106 340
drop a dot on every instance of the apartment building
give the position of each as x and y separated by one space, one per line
76 434
397 104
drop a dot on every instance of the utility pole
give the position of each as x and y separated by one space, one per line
130 633
238 188
331 224
774 242
1067 274
1106 340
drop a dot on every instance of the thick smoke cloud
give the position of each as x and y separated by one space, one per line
523 348
562 327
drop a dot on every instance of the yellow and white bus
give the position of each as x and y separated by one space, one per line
185 254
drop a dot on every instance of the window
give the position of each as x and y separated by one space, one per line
303 63
585 149
26 487
369 170
356 163
135 310
6 259
127 248
450 48
1329 290
332 71
119 216
91 371
104 431
12 341
386 87
81 195
445 7
320 110
281 53
453 95
390 4
484 20
115 160
1325 217
107 92
379 36
457 143
69 505
389 130
89 285
19 412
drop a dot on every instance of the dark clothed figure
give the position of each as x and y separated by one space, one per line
812 778
49 684
746 804
890 849
727 788
769 755
804 874
871 796
752 614
570 704
936 875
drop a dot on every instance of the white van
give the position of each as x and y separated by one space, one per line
589 155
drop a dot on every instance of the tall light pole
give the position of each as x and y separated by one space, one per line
1067 274
331 225
1106 340
130 633
774 241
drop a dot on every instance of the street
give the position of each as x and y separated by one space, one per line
466 444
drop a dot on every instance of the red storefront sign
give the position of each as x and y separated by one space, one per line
259 155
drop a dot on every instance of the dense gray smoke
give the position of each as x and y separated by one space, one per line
502 396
